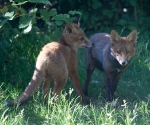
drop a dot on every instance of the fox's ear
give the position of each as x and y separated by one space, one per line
68 29
76 20
132 36
114 37
71 27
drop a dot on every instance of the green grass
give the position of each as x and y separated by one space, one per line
133 91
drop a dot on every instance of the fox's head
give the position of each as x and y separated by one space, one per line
123 48
75 36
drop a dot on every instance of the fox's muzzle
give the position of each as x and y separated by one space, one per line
124 63
87 45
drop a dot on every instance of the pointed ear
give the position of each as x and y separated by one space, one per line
132 37
114 37
76 20
68 29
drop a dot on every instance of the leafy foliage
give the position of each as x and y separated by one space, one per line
104 15
25 26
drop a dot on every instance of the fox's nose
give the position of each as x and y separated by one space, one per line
89 44
124 63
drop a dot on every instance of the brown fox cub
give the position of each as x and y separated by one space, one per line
110 54
57 61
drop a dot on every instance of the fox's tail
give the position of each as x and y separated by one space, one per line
32 88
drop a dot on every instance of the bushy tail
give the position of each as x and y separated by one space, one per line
32 88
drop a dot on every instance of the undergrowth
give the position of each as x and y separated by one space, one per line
132 105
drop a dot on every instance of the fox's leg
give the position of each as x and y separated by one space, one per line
111 82
46 87
59 73
89 71
115 82
59 84
76 82
109 87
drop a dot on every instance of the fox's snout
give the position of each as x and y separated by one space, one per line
87 44
122 58
124 62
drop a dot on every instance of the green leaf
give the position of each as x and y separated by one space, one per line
52 12
9 14
34 21
69 19
46 15
4 9
40 1
61 17
20 2
34 10
58 22
24 21
28 29
74 12
3 22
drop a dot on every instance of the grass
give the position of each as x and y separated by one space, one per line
132 106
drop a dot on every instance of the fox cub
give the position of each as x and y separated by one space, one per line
57 61
110 54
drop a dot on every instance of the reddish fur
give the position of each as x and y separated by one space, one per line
57 61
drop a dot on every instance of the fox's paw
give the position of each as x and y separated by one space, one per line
8 103
86 101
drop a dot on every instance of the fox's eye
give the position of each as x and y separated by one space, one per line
131 41
119 51
115 41
82 38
